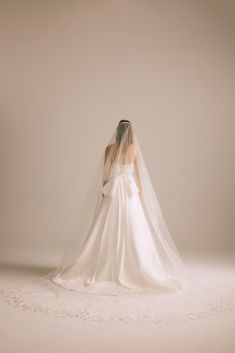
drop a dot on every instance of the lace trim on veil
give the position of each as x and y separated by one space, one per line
13 296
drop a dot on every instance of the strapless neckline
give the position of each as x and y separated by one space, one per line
124 164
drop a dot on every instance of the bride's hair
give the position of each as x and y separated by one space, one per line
124 131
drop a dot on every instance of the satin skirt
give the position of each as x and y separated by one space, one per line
119 254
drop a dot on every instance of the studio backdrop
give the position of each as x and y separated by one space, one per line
71 70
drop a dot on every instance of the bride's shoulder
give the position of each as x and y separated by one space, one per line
114 146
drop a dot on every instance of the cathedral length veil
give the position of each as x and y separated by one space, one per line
178 296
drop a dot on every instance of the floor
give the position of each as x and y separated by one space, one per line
25 332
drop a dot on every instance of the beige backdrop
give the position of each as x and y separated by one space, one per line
70 70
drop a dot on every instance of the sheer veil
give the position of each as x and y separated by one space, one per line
190 300
123 148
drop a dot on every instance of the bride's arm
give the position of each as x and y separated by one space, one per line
137 172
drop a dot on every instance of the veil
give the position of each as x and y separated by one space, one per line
123 148
189 300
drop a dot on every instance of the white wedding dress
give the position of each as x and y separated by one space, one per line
121 262
120 251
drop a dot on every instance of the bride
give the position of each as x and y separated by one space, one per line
123 249
120 247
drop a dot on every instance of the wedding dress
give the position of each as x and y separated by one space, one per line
120 262
120 250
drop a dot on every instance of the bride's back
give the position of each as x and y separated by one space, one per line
122 157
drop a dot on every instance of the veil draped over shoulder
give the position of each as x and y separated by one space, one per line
121 176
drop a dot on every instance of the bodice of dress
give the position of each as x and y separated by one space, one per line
119 168
122 179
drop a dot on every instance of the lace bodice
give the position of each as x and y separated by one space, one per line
122 179
119 168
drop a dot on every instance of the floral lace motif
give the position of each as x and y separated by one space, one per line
12 296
